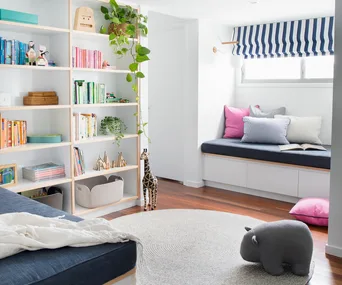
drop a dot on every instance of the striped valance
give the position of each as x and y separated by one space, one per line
286 39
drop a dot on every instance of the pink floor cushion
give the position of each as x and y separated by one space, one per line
313 211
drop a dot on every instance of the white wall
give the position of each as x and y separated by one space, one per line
334 246
299 101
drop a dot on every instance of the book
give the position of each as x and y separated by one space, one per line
2 50
8 52
301 147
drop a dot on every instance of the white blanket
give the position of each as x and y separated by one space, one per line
24 231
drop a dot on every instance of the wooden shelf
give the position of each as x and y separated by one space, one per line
33 146
29 28
89 35
79 210
103 139
30 67
104 105
94 173
102 70
27 185
44 107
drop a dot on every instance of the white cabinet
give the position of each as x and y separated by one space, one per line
314 183
273 178
225 170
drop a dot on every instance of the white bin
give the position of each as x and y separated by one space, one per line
98 191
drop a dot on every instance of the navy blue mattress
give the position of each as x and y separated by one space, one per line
266 152
68 266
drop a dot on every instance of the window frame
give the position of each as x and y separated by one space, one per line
316 82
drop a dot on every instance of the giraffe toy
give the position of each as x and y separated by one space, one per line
150 183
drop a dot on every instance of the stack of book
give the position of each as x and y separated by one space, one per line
44 171
13 133
84 58
79 167
12 52
89 92
85 126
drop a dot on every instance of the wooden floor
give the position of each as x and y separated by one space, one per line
173 195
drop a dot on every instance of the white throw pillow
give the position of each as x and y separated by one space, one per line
303 129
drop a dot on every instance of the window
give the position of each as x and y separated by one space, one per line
292 69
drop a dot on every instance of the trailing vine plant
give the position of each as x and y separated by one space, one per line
114 126
126 23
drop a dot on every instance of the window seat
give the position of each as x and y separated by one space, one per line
84 265
264 152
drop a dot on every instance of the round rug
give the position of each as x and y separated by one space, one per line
197 247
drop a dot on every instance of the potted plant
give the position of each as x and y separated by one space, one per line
125 24
114 126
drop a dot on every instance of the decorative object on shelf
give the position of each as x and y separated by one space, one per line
99 191
111 98
41 60
125 24
18 17
44 171
13 133
120 162
106 161
5 99
106 65
31 54
100 164
84 20
8 175
53 138
114 126
52 63
150 183
38 98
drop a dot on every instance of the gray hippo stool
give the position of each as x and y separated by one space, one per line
277 243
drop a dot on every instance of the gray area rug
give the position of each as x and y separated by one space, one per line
197 247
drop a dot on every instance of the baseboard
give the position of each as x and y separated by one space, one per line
139 202
333 250
252 192
194 184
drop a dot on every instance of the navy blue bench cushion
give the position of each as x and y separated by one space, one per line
235 148
88 265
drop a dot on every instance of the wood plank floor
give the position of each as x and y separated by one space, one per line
173 195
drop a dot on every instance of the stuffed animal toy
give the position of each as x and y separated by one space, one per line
277 243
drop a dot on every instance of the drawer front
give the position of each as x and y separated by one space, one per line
225 170
273 178
314 184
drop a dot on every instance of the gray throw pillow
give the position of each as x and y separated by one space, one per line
265 130
258 113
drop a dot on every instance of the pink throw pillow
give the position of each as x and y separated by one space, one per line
313 211
234 121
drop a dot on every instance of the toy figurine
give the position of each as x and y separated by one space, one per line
31 54
41 60
105 64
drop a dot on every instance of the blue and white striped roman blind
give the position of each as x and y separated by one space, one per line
286 39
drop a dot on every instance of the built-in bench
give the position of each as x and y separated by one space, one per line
264 170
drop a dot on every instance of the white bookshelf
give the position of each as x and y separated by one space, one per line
55 31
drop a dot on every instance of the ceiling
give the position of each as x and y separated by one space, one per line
241 12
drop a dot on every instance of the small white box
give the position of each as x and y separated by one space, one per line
5 99
98 191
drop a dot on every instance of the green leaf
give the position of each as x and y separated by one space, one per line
143 51
115 20
129 77
104 10
145 124
103 30
112 36
133 67
137 47
135 89
142 58
135 114
114 4
140 132
140 75
137 99
124 50
107 17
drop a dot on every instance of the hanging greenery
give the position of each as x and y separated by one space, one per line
114 126
125 26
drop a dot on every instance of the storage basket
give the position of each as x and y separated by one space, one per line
98 191
54 200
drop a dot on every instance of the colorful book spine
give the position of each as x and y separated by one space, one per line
8 52
2 50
